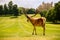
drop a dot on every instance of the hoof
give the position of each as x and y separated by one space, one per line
43 34
35 34
32 33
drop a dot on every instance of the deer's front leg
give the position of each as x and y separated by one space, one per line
34 30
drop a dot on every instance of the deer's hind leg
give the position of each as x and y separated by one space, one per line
43 30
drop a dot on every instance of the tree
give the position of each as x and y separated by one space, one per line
43 13
51 15
21 10
15 10
31 11
57 9
54 13
10 6
5 9
1 10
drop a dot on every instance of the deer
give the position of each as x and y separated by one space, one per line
37 22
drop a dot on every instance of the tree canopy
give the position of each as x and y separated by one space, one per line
57 9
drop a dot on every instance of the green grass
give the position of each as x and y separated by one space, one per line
10 27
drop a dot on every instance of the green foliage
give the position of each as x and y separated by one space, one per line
54 13
31 11
43 13
57 9
5 9
10 7
15 10
51 15
1 10
21 10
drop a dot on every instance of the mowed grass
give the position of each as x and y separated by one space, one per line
19 27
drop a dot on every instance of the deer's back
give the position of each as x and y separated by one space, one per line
39 22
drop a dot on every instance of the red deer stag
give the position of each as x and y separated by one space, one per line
37 22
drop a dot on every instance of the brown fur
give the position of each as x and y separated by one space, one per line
37 22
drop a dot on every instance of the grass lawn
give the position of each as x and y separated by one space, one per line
20 28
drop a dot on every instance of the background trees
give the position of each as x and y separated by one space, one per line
57 10
15 10
53 14
10 7
1 10
21 10
43 13
50 15
5 9
30 11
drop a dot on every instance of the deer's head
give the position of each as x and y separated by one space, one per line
28 19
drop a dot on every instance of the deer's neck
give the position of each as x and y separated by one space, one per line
29 18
